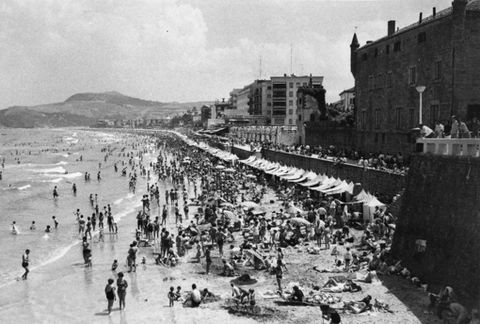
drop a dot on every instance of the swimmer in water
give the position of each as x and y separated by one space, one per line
33 226
25 261
14 228
47 230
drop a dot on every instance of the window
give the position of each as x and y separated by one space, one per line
376 137
290 122
363 121
290 102
377 118
290 111
383 138
376 52
290 84
379 83
371 82
397 46
422 37
269 96
299 117
412 75
290 93
388 82
411 118
312 117
269 104
305 84
269 88
438 70
297 84
364 56
387 49
398 118
351 101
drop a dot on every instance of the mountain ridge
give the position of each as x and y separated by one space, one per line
86 108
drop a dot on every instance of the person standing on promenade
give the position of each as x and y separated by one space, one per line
121 289
208 258
25 262
110 294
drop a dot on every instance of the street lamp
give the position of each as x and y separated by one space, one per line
420 90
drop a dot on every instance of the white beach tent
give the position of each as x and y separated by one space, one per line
308 175
315 181
297 175
369 203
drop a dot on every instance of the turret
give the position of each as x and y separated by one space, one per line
353 54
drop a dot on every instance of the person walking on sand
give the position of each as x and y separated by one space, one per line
110 294
55 193
121 290
25 262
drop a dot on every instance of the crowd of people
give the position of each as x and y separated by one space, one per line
215 213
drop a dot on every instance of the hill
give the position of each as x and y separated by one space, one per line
84 109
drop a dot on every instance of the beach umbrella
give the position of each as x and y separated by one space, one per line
251 176
249 204
300 221
227 204
230 170
220 167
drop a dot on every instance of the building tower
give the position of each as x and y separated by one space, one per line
353 54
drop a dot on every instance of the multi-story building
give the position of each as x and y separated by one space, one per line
243 101
427 71
284 97
261 98
234 97
347 99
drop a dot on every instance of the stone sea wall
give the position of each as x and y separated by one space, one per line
383 184
441 205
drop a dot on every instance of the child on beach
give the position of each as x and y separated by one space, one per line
171 296
178 293
114 265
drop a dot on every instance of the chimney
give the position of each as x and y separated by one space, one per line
391 27
434 12
420 16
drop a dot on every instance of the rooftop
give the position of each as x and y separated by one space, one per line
473 5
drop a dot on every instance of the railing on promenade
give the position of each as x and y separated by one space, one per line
450 146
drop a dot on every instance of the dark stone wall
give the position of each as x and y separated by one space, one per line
384 185
441 205
242 154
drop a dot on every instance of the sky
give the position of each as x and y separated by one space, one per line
183 50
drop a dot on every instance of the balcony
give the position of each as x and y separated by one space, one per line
451 146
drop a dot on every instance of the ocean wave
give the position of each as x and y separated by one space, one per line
118 201
61 163
57 180
50 170
67 175
24 187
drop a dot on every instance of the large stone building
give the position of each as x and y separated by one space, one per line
284 97
440 53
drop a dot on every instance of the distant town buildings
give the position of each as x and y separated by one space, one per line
438 56
347 100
